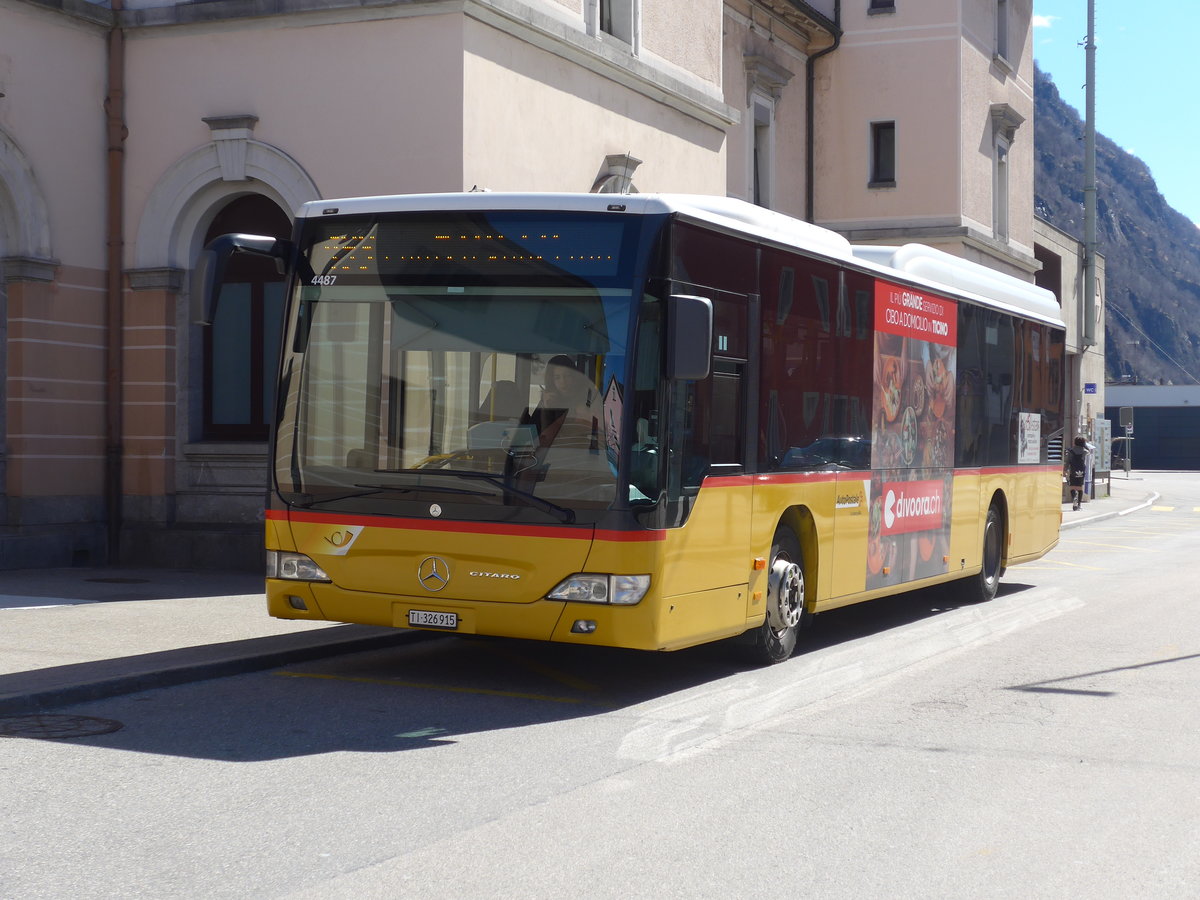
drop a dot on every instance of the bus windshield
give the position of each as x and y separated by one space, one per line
469 367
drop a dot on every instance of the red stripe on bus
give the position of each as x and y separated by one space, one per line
726 481
798 477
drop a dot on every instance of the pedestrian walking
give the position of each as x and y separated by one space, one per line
1075 467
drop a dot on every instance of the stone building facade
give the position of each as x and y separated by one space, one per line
133 131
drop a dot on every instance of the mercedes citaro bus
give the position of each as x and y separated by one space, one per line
641 421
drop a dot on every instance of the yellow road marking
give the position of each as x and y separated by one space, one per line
392 682
1070 565
1098 544
1162 509
1146 533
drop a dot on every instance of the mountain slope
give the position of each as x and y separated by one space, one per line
1151 251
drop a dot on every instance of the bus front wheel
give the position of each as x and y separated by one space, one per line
775 639
987 582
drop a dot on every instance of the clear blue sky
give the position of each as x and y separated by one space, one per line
1147 56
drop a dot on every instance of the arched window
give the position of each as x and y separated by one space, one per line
241 348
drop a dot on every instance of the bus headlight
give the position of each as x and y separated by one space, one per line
293 567
586 587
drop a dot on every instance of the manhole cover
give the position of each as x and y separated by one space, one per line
118 580
52 728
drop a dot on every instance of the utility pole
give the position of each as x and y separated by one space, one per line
1089 184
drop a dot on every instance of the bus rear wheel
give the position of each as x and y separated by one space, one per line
983 587
775 639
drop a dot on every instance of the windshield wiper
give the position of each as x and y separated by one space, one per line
309 500
562 513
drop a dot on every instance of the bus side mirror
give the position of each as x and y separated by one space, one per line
689 337
209 274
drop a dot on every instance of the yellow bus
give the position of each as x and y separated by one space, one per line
642 421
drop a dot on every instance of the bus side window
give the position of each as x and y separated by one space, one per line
712 426
727 413
999 420
695 415
985 432
816 372
645 467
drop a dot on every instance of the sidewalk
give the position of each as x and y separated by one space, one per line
74 635
1126 495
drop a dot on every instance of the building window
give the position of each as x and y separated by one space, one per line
618 18
1050 275
241 348
883 154
1000 212
766 81
1002 29
881 6
1005 122
762 150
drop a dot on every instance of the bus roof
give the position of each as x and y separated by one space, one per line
917 264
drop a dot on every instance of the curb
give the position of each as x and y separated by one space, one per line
172 668
1099 517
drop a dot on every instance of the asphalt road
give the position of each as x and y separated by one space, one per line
1042 745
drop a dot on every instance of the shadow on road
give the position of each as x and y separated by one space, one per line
431 690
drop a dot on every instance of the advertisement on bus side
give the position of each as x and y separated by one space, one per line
912 435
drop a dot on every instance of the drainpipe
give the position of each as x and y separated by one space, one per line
810 178
116 132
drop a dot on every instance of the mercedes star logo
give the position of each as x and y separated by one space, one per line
433 573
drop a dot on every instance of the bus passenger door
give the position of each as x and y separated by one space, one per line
709 490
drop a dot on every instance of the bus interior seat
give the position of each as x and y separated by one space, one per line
360 459
503 403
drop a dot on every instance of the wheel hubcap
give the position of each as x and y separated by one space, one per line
785 595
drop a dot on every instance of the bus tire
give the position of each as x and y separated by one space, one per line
983 586
775 639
